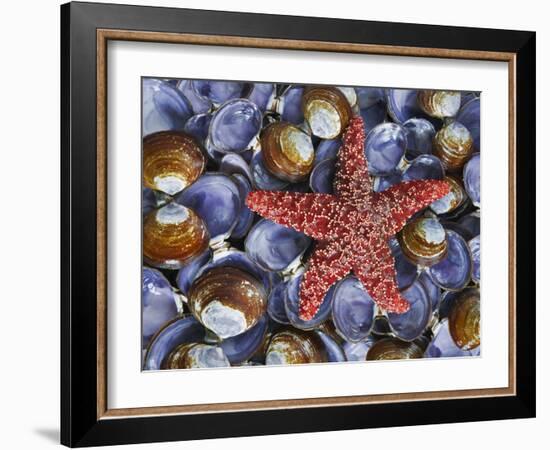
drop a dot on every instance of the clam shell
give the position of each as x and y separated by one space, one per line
423 241
352 310
180 331
234 127
326 110
199 103
453 145
393 348
424 167
453 272
195 356
242 347
158 304
380 184
443 346
439 104
433 291
262 95
471 223
171 161
187 274
263 178
287 151
327 149
275 247
164 107
173 235
403 105
369 96
198 126
453 200
406 272
276 303
215 197
227 300
469 116
292 305
233 164
357 351
290 105
334 351
471 176
373 115
411 324
218 92
322 176
475 250
246 215
420 133
384 148
464 320
292 346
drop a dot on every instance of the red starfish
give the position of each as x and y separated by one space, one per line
352 227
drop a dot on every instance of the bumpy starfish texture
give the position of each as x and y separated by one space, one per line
351 227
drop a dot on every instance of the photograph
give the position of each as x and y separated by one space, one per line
293 223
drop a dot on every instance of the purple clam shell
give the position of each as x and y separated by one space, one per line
180 331
447 301
410 325
158 305
234 125
433 291
198 125
263 178
164 107
292 304
232 164
420 133
465 97
335 353
148 200
352 310
443 346
240 260
199 103
384 147
368 96
453 272
246 215
373 115
243 346
215 197
275 247
402 105
424 167
327 149
471 177
322 176
290 106
357 351
262 94
218 91
407 272
276 303
468 115
187 274
475 250
384 182
471 223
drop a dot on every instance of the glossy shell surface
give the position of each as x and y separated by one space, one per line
464 320
453 145
423 241
392 348
326 110
293 346
439 104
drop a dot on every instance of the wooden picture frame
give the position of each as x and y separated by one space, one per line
85 416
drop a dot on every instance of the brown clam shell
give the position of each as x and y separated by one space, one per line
464 320
423 241
171 161
287 151
439 104
172 235
393 348
188 356
455 198
453 145
227 300
294 346
329 102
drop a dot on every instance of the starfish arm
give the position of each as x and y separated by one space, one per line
398 203
352 175
308 213
327 265
376 272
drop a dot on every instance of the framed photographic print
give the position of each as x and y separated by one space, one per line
277 224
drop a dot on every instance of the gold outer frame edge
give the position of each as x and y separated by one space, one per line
103 36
